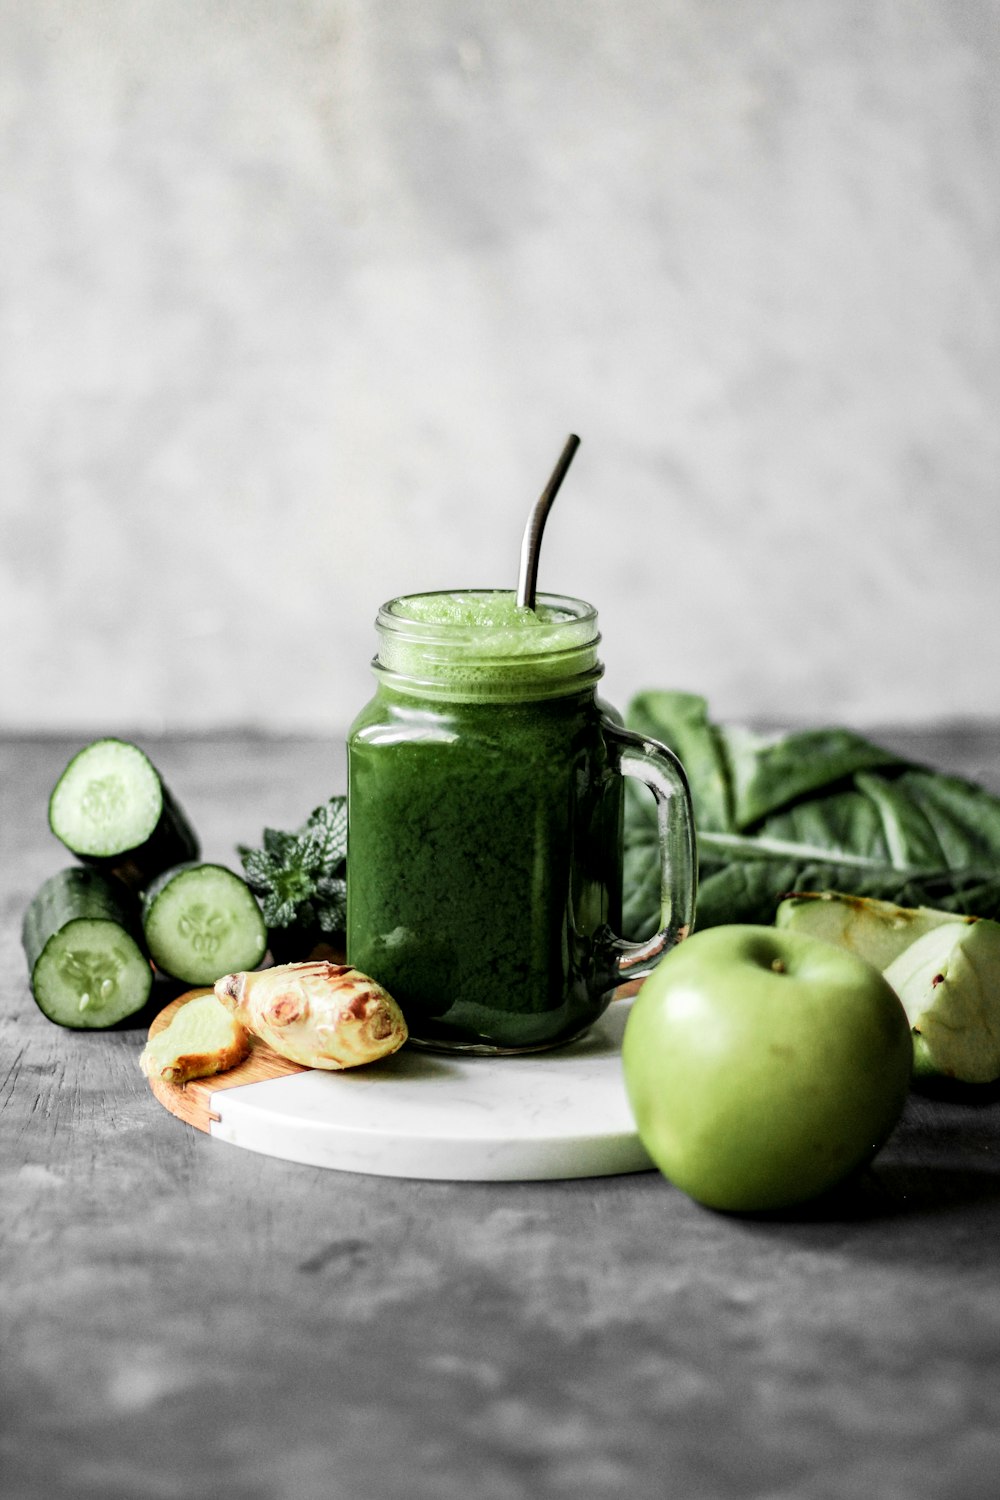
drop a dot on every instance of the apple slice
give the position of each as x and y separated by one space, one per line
878 931
949 985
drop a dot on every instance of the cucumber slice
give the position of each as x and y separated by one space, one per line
112 810
202 921
82 938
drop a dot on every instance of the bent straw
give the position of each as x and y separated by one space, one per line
531 541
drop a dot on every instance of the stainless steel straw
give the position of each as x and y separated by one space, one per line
531 542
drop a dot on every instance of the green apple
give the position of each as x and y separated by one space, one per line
763 1067
949 985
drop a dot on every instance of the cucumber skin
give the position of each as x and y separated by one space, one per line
77 892
67 896
172 842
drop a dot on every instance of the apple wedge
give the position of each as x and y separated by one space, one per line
878 931
949 984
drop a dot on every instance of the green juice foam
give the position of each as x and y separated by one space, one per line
482 643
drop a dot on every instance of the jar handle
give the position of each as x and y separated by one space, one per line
658 768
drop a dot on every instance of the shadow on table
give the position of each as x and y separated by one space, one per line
897 1190
950 1091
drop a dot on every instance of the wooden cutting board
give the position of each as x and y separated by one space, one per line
192 1102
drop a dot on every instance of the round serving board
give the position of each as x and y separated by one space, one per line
424 1114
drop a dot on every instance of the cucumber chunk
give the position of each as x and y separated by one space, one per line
112 810
202 921
82 938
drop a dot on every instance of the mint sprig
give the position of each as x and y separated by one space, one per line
300 877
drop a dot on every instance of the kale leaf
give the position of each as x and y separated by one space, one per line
811 810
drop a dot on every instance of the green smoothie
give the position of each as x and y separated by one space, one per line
484 871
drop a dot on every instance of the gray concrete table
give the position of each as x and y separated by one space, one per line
185 1318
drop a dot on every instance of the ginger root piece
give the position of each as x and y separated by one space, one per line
320 1014
203 1038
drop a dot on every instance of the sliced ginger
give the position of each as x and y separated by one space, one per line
323 1015
203 1038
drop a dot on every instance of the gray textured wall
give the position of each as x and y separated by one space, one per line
298 301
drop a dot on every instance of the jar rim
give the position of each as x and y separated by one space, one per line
479 653
565 610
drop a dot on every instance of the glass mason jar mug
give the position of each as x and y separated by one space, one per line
485 824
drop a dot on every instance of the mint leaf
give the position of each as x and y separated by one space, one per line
300 876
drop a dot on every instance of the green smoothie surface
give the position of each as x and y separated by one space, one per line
481 642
